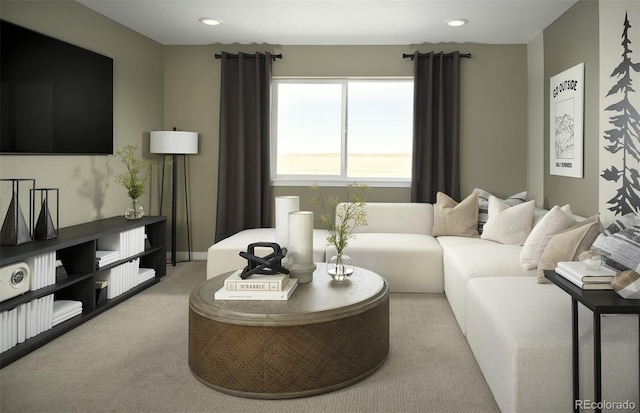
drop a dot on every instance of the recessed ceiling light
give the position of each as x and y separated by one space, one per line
210 21
457 22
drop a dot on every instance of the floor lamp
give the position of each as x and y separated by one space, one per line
175 143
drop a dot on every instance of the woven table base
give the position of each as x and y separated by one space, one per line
303 354
286 362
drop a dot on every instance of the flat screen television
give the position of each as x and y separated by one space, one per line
56 98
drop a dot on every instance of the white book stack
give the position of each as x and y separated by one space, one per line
145 274
131 274
134 241
25 321
257 287
127 243
120 279
64 310
8 329
268 282
585 277
104 258
42 270
38 316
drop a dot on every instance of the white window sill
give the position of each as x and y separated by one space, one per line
372 183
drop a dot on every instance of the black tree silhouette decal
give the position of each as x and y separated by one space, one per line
625 136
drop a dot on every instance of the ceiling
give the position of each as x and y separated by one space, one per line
333 22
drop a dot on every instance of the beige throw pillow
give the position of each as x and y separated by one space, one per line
556 220
508 224
568 244
453 218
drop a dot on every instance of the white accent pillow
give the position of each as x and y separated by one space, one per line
508 224
483 204
555 221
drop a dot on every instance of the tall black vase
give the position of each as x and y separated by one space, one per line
45 228
44 225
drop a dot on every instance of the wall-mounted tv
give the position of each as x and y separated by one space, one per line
56 98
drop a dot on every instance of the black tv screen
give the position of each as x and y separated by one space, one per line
57 98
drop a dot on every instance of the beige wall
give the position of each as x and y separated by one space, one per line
535 120
493 111
160 87
86 183
503 124
570 40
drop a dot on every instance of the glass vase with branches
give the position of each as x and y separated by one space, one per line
341 219
134 179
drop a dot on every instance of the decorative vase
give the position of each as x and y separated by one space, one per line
340 267
300 251
627 284
134 210
285 205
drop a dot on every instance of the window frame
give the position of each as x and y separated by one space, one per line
326 180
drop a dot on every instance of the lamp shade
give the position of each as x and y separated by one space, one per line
174 142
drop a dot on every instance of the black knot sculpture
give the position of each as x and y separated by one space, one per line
267 265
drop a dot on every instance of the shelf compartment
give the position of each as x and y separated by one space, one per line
76 248
41 292
129 259
109 303
22 349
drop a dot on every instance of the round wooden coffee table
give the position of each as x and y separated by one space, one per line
328 335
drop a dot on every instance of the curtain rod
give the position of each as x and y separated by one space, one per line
273 56
405 55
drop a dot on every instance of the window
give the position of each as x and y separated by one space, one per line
339 130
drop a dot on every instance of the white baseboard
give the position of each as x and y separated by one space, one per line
199 256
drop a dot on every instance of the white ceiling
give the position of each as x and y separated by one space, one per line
333 22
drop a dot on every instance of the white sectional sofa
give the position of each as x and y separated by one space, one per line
518 330
397 244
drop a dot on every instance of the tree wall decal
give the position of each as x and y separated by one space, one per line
624 137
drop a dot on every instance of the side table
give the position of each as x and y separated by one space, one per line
599 302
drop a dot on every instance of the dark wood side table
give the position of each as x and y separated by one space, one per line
599 302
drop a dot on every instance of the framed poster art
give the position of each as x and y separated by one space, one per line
566 122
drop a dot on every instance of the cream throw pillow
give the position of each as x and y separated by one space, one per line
483 204
508 224
568 244
453 218
556 220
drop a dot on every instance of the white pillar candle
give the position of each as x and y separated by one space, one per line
300 249
284 205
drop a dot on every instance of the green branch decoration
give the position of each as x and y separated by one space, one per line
342 221
137 174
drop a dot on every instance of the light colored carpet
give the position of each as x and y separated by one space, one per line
133 358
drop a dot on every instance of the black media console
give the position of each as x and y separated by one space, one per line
76 248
